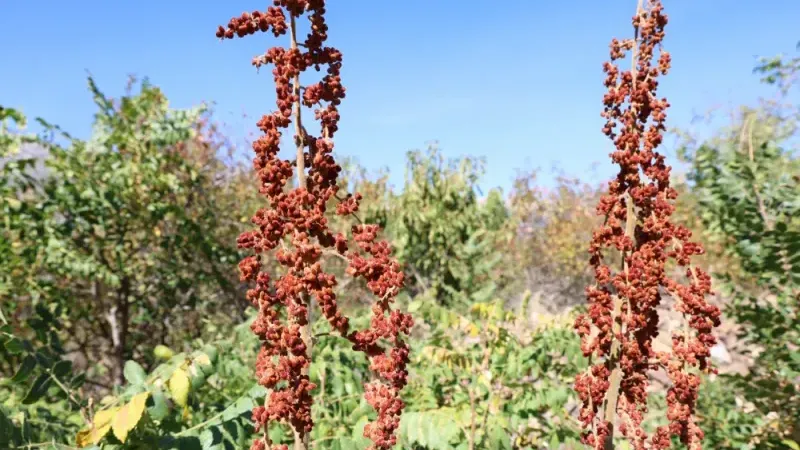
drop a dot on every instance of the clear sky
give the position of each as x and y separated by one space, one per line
516 81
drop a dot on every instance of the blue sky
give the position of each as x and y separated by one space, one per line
518 82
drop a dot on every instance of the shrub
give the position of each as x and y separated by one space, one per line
746 181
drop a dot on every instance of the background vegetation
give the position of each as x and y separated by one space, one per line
124 323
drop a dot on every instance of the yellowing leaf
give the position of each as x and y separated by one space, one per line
198 361
468 326
100 426
13 203
495 405
193 371
445 356
179 386
128 416
203 360
791 444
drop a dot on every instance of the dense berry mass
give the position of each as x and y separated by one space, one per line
294 230
622 319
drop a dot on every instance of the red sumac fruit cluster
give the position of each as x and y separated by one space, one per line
622 319
294 230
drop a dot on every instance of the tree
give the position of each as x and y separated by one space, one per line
446 238
120 233
746 181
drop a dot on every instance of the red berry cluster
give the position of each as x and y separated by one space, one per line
294 229
622 318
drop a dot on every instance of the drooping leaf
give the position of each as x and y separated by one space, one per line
128 416
101 424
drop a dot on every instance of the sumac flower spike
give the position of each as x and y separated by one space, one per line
629 255
294 230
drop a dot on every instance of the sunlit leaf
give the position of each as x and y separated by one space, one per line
101 424
128 416
179 386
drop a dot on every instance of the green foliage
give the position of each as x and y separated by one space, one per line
171 392
209 409
40 400
340 411
123 325
747 188
485 380
18 216
443 234
121 231
779 70
12 125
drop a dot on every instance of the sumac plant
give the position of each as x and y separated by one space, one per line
622 318
294 229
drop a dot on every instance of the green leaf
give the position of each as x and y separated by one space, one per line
791 444
242 405
38 389
257 391
210 437
14 346
134 373
62 368
358 433
159 409
554 441
434 429
25 369
414 306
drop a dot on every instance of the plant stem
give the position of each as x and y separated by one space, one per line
69 394
200 425
472 419
302 440
612 397
51 445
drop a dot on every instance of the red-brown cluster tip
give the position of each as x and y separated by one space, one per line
294 230
622 319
